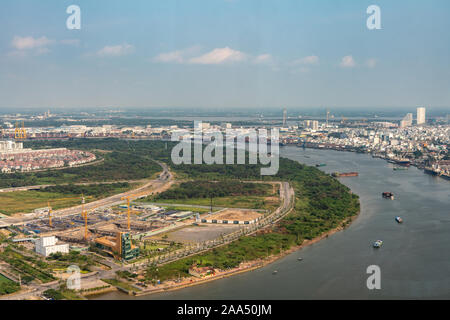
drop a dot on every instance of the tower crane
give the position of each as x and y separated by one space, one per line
129 199
49 214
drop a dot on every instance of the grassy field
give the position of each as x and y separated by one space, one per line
27 201
230 194
7 286
246 202
4 279
183 208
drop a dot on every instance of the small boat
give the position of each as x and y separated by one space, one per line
275 272
388 195
399 219
378 244
320 165
299 259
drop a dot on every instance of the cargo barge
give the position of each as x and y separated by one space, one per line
345 174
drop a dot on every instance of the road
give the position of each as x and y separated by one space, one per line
40 186
163 182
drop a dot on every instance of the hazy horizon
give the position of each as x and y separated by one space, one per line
221 54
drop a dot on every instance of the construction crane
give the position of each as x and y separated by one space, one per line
20 132
49 214
128 198
84 215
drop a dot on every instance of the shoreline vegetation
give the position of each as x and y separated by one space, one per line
243 268
247 267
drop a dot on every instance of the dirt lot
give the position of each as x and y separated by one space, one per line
234 214
200 233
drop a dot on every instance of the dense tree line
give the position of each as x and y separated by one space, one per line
207 189
95 190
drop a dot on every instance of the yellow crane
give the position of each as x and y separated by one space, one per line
49 214
128 198
84 215
24 131
20 132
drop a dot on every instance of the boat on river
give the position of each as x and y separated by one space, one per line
377 244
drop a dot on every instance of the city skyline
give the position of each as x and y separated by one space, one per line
220 54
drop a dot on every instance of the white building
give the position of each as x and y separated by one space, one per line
48 245
421 116
406 121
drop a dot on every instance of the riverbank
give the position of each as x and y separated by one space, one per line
413 162
336 269
243 268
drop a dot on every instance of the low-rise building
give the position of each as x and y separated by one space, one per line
48 245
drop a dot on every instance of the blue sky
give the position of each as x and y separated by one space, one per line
218 53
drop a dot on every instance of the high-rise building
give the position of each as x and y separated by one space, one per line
421 116
315 125
406 121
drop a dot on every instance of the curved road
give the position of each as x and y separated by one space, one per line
164 181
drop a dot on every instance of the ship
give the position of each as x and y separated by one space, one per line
445 176
399 161
400 168
320 165
399 219
345 174
402 162
388 195
378 244
431 170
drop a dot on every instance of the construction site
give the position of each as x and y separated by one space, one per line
105 227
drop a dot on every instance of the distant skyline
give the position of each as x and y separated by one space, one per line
221 54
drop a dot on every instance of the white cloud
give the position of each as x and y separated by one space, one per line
178 56
216 56
116 51
26 43
219 56
309 60
263 59
348 62
371 63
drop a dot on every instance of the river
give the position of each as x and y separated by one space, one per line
414 259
